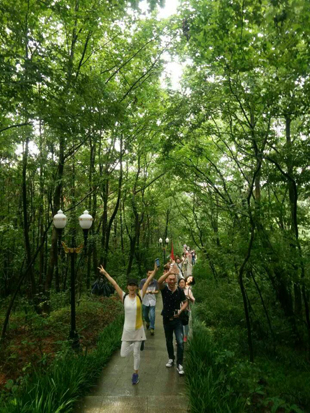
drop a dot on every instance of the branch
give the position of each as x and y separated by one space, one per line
128 60
78 203
72 150
83 55
16 126
150 183
141 77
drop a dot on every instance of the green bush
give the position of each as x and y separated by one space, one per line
209 385
67 378
220 377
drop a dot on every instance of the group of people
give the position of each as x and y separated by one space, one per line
139 304
186 262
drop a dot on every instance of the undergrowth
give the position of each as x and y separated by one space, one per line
66 379
219 375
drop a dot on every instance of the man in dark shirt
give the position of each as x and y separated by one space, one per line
174 303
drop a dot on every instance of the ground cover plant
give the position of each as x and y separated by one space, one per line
220 376
40 372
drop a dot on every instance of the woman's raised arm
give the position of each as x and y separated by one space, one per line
112 281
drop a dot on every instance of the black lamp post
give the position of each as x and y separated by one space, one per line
163 245
60 221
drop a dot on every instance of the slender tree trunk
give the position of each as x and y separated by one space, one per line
244 298
58 195
41 209
105 195
263 304
25 217
20 281
108 232
57 202
294 224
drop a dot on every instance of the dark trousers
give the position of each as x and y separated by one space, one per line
175 326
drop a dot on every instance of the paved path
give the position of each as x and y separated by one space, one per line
160 390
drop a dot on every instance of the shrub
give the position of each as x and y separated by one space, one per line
67 378
209 385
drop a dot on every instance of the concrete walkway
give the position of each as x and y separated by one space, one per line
160 390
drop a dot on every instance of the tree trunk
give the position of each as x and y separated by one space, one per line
293 224
57 202
58 195
108 232
25 218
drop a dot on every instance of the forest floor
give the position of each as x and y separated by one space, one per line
33 340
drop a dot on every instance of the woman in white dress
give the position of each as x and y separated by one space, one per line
189 264
133 336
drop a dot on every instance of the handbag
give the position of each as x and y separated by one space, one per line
184 317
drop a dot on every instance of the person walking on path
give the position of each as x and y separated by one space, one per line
149 302
174 303
193 252
191 300
179 265
133 336
184 264
189 267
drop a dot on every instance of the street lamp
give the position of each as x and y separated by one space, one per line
86 221
60 221
163 245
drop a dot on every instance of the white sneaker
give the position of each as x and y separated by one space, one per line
180 370
170 363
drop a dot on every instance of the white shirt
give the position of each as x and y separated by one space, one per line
149 300
133 329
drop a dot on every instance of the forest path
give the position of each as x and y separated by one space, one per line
160 389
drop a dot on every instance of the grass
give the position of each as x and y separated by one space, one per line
208 383
67 378
33 341
39 371
220 377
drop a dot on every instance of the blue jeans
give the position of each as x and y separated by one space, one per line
175 326
149 315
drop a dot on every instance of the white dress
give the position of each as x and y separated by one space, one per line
133 329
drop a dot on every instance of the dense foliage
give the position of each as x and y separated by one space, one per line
89 120
219 375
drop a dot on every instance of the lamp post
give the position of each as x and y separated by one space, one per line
85 221
163 245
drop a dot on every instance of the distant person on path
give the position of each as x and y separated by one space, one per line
149 302
182 285
184 264
179 265
133 331
193 257
174 302
189 269
191 299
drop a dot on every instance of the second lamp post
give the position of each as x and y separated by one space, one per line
163 245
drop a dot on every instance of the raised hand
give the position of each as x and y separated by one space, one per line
102 270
